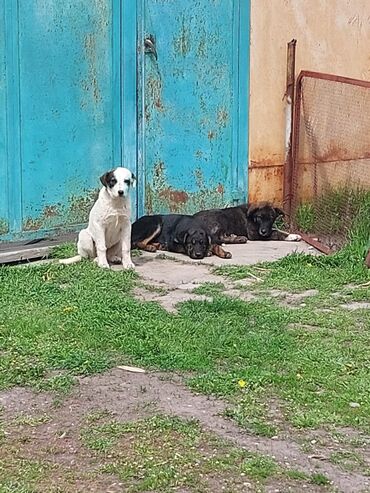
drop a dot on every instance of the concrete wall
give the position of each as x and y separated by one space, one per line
333 36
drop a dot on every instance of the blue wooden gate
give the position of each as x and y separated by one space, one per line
193 133
82 90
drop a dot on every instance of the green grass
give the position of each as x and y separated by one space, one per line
83 320
161 453
340 211
319 479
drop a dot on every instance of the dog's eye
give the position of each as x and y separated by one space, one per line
112 182
127 182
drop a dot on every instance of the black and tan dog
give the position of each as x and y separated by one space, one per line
175 233
245 222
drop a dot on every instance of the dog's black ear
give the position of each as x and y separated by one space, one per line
104 179
133 180
252 209
279 212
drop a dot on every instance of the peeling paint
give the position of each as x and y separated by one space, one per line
53 216
202 48
91 84
4 227
222 117
159 197
182 42
154 96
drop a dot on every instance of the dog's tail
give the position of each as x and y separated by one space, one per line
70 260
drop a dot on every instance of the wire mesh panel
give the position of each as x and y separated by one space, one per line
331 159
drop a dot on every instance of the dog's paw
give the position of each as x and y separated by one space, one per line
102 265
151 248
128 264
115 260
228 255
293 237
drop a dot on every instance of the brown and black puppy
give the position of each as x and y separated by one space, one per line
245 222
175 233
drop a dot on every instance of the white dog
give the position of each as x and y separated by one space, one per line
107 237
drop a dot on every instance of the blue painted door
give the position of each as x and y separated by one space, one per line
60 110
193 103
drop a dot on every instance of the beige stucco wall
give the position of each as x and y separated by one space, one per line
333 36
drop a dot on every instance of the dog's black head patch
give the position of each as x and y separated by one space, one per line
108 179
264 216
196 243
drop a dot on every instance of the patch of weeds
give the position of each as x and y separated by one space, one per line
161 453
65 250
61 384
299 272
295 474
136 253
319 479
305 217
32 421
250 413
21 475
236 272
349 461
97 416
152 289
210 289
259 467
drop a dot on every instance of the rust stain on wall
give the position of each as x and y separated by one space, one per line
264 159
265 184
175 199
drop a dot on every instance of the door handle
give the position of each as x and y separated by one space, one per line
149 46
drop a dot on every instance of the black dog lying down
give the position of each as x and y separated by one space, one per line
175 233
245 222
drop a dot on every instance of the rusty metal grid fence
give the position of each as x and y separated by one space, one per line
330 176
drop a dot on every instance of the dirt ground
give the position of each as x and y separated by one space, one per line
40 428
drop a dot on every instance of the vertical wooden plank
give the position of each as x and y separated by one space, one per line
129 92
13 129
4 210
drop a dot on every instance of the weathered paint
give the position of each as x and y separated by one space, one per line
333 36
193 115
70 73
61 89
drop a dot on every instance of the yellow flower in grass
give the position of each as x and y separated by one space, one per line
242 384
68 309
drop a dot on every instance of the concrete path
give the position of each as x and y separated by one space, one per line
170 279
248 254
